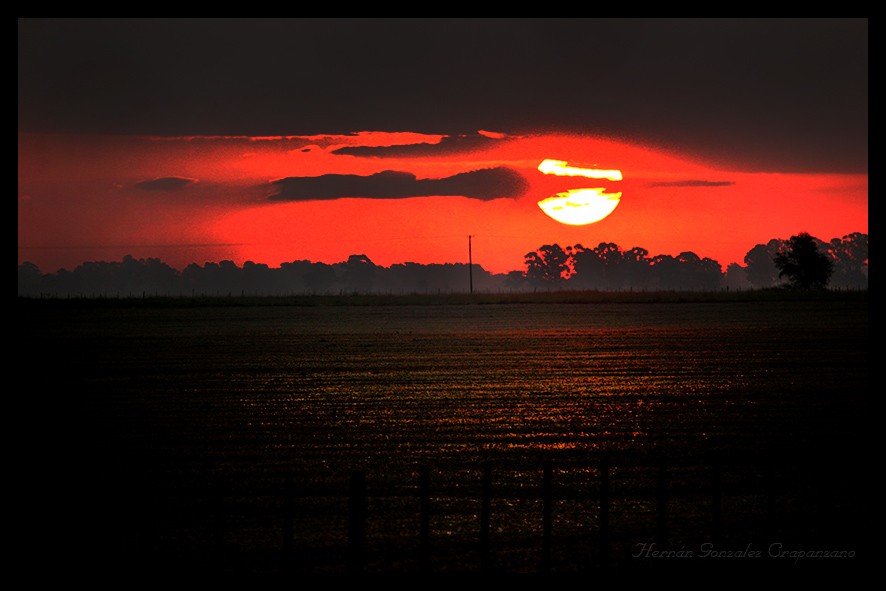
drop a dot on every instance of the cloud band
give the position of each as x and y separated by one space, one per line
484 184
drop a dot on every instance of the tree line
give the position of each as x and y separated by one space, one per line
802 261
605 267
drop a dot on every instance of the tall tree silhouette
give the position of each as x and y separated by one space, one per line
736 277
636 267
611 255
802 264
761 271
665 271
359 273
850 257
30 279
589 270
698 273
548 266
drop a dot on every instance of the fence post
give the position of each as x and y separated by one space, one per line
716 500
661 529
547 496
771 524
485 510
218 522
604 511
425 528
288 521
357 521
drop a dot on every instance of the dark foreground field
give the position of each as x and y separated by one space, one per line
564 434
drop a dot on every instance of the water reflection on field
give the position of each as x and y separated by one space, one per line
207 411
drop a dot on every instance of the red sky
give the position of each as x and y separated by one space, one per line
98 197
201 140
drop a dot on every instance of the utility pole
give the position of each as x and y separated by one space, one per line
470 264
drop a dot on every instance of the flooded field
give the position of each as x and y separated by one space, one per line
454 438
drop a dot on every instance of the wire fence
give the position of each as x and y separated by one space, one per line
541 518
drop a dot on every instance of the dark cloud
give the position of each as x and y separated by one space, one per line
693 183
485 184
447 146
771 93
167 183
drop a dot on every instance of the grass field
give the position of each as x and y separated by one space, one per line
231 434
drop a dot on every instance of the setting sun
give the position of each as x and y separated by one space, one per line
579 207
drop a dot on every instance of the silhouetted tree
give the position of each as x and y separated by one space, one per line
803 264
30 279
138 276
223 278
635 267
608 267
293 275
515 281
760 267
256 279
665 272
548 266
319 279
735 277
698 274
611 255
407 278
433 278
359 273
850 258
686 271
589 270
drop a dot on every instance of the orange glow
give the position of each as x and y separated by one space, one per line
80 200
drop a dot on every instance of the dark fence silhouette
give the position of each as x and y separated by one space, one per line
553 517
